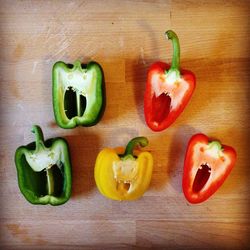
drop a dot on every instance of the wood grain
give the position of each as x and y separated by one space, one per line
125 37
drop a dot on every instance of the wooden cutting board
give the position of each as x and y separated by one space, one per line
125 37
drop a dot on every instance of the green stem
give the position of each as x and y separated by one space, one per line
77 64
38 135
50 181
215 144
39 140
137 141
176 50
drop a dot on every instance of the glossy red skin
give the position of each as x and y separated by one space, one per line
160 68
188 165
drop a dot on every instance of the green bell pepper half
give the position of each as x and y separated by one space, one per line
44 170
78 93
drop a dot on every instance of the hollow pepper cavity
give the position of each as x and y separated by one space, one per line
168 89
123 175
78 93
207 165
44 170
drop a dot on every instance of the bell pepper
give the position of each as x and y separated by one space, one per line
207 165
168 89
78 94
44 170
123 175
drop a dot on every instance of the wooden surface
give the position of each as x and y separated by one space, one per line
125 37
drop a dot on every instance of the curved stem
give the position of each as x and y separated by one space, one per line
38 135
176 49
141 141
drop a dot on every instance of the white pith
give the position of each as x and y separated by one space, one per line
125 170
42 159
78 80
170 84
213 157
83 82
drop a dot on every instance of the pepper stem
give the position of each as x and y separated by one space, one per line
77 64
50 181
176 50
38 135
215 145
137 141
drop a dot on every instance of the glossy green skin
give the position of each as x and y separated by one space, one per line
94 98
33 184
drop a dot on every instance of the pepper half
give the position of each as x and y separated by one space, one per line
78 94
168 90
207 165
44 170
122 175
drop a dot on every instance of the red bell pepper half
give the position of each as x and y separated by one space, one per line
168 90
207 165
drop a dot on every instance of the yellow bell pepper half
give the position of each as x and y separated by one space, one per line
124 176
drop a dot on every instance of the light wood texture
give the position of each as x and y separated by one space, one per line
125 37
